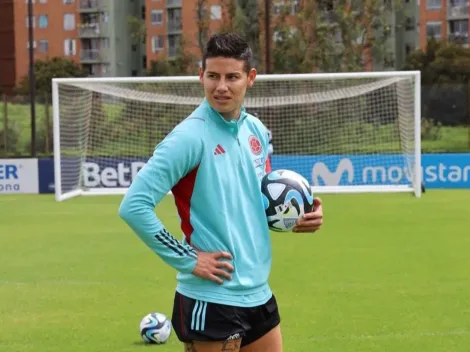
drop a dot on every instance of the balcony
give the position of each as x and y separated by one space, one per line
174 27
173 3
92 56
89 30
459 38
91 6
172 52
459 11
98 70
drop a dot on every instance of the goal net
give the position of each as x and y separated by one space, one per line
344 132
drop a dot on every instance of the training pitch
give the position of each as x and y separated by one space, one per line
388 272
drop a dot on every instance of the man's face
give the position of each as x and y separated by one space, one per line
225 83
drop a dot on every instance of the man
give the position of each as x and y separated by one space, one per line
213 163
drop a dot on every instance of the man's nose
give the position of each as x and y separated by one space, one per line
222 85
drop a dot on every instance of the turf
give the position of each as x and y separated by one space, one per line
386 273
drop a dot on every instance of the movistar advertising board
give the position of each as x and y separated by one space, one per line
438 170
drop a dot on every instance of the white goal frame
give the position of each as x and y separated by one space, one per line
415 187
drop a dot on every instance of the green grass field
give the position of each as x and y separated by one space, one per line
386 273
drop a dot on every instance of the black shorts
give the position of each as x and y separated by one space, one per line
195 320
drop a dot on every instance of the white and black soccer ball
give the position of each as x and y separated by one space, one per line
155 328
286 196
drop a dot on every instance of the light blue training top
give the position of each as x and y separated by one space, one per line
214 169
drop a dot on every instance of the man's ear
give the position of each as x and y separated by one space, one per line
201 74
251 77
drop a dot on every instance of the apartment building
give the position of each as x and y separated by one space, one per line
444 19
55 32
107 47
169 22
93 33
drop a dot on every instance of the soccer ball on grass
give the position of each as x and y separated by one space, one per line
287 196
155 328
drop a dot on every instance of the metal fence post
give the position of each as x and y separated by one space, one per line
5 124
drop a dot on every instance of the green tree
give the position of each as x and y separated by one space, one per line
137 29
46 70
441 62
242 17
184 63
445 80
331 36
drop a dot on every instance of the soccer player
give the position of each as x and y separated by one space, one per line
213 162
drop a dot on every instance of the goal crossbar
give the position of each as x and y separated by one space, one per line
317 98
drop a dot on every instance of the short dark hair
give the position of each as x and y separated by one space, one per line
229 45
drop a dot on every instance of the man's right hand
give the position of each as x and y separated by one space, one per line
209 266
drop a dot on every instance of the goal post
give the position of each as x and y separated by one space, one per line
345 132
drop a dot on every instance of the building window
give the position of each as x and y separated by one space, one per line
458 31
144 62
69 21
292 6
43 21
27 21
156 17
458 3
157 43
142 13
409 23
70 47
43 46
216 12
433 4
42 1
173 45
105 43
295 7
68 1
408 49
174 19
104 17
433 29
459 27
277 8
